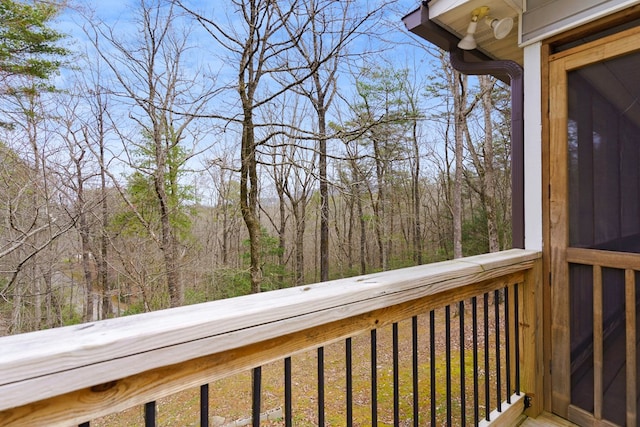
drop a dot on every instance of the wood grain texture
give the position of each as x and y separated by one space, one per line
586 419
600 49
611 259
41 365
78 406
631 344
531 339
558 223
509 415
598 344
560 254
547 420
546 239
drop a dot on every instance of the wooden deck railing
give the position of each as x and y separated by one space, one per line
75 374
612 359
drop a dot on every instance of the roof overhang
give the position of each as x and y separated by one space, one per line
444 23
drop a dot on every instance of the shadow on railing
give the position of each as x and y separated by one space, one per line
451 343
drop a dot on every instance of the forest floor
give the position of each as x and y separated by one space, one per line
230 398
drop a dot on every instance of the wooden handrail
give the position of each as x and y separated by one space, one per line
172 348
604 258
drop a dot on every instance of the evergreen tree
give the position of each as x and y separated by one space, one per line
28 47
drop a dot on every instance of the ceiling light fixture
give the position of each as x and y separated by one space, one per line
501 27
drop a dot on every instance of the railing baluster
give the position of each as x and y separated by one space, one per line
204 405
516 310
321 386
396 376
288 416
453 408
414 364
257 396
474 312
631 350
507 336
447 321
150 414
374 378
463 391
487 376
432 364
598 344
349 375
496 305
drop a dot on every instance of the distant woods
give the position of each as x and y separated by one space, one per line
179 154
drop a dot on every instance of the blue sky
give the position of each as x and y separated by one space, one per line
120 14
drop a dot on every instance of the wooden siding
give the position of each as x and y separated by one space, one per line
543 18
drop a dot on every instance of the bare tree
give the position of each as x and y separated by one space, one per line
333 26
484 162
34 219
75 176
165 100
260 45
293 170
96 133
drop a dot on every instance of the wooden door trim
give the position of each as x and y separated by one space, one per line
559 237
605 48
555 155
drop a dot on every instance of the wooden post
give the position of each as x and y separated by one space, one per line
531 340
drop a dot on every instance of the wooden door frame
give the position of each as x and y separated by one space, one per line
555 205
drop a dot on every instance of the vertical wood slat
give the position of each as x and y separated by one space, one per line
630 308
598 345
560 378
531 355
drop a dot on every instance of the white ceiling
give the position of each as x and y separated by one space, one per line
455 15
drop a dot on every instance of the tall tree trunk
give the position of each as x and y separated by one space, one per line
168 241
351 226
103 273
459 90
379 206
486 86
249 199
282 230
363 235
299 211
86 266
415 197
83 230
324 191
